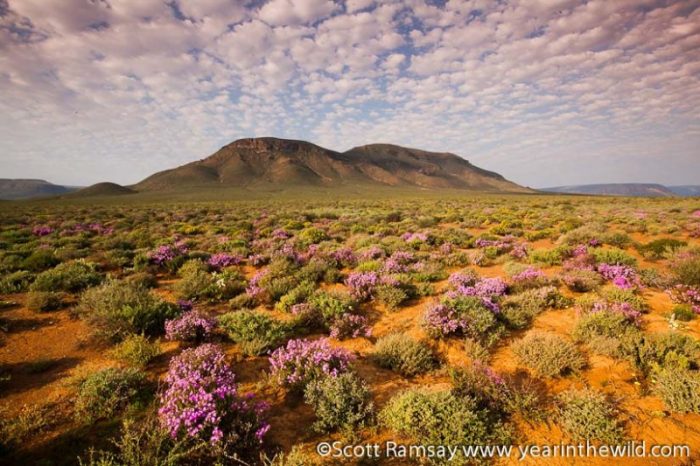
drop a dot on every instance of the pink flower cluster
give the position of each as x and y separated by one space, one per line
415 237
444 320
626 309
190 326
527 275
166 253
42 230
362 284
622 276
302 361
221 260
684 294
202 401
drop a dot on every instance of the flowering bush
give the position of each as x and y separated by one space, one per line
42 230
686 295
622 276
221 260
166 254
201 401
191 326
302 361
350 326
462 315
361 284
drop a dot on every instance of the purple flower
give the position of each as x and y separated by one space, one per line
527 275
622 276
42 230
444 320
345 256
201 400
166 253
362 284
190 326
302 361
350 326
220 260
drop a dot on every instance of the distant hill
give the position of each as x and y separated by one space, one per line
12 189
616 189
687 190
272 163
102 189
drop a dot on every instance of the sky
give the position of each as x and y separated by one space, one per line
545 92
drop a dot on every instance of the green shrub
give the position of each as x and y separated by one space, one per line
39 260
43 301
255 332
517 311
104 393
617 295
198 283
404 355
548 354
443 418
679 389
15 282
587 415
685 267
331 305
295 296
117 309
613 256
142 279
391 296
136 350
343 402
550 256
669 350
582 281
601 324
28 423
659 248
67 276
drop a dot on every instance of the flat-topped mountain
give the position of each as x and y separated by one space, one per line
279 163
616 189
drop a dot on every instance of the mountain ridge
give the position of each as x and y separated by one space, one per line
259 162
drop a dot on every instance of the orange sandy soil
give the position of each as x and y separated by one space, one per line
58 337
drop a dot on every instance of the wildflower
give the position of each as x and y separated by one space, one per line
302 361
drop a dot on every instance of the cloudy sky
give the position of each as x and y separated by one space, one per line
546 92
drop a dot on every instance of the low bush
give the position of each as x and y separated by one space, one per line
613 256
15 282
463 316
136 350
548 354
67 276
683 313
343 402
517 311
679 389
192 326
301 362
117 309
685 267
404 355
582 280
197 283
255 332
659 248
106 392
587 415
391 296
201 402
669 350
443 418
43 301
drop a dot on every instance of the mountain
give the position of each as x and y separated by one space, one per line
281 163
687 190
12 189
102 189
616 189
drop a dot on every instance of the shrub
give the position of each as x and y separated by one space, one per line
43 301
517 311
15 282
661 351
391 296
550 256
295 296
331 306
404 355
613 256
117 309
343 402
350 326
201 401
142 279
192 326
548 354
442 418
362 284
198 283
587 415
303 361
463 315
685 266
683 313
659 248
104 393
29 422
68 276
255 332
136 350
40 259
581 280
616 295
679 389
